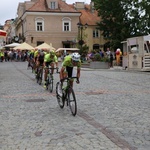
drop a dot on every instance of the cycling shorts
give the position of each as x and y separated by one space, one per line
48 63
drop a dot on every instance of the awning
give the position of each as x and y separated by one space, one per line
67 49
3 33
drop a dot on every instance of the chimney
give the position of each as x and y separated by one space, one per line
79 5
92 7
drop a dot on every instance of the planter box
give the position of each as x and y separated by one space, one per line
99 65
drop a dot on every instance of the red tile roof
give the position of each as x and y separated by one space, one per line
41 5
88 16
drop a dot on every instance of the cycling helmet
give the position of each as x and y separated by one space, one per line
39 50
42 53
75 56
52 52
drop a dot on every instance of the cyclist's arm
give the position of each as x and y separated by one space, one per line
56 61
78 72
62 73
44 64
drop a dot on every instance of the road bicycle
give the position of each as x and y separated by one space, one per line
39 75
67 96
49 80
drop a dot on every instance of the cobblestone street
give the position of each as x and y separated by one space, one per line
113 111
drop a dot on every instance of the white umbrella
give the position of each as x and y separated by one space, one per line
67 49
12 45
24 46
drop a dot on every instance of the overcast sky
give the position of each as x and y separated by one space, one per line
8 8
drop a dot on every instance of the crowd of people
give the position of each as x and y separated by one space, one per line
12 55
111 56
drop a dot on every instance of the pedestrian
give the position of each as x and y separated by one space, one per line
111 59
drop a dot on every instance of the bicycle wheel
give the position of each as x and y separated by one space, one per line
50 85
60 99
47 83
37 76
72 101
40 76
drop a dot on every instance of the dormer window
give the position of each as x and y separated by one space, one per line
53 5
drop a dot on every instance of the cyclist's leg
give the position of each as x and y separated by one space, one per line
34 66
40 72
46 72
70 74
38 65
52 66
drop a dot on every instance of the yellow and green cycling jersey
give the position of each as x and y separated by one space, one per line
1 54
68 62
36 53
47 58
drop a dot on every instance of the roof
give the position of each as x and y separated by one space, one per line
88 16
41 5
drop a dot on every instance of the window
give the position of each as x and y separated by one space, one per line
53 5
39 24
39 43
96 33
66 24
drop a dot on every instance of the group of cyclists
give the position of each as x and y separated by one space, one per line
48 59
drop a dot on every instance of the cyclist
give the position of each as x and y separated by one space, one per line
35 58
40 59
30 57
70 61
49 60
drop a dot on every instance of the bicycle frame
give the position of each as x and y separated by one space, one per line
39 74
49 84
68 96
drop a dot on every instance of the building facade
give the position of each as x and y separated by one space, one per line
56 22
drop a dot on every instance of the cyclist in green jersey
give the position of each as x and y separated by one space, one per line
68 65
49 60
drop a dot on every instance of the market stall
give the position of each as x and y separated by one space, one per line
136 53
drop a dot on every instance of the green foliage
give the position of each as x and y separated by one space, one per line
122 19
83 51
97 57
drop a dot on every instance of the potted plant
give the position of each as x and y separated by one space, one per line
99 62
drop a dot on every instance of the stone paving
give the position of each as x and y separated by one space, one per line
113 111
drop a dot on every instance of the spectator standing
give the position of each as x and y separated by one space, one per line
111 59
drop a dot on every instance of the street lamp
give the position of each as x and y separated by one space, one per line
80 30
81 27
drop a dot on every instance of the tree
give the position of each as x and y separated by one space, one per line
121 19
